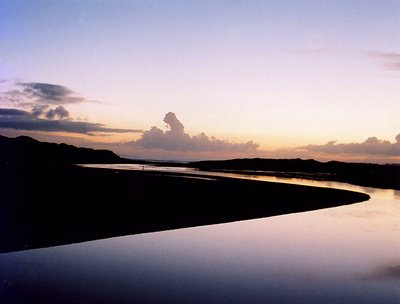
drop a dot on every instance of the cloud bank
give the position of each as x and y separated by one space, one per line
41 107
27 121
176 139
372 146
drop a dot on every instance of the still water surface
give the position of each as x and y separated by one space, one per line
348 254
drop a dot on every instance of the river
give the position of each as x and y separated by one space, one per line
348 254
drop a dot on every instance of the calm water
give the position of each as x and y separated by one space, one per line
348 254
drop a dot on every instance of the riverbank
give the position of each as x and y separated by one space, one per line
362 174
52 205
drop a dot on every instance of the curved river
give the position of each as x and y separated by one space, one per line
348 254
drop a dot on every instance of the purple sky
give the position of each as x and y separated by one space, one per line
288 77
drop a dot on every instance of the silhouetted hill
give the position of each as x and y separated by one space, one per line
24 149
370 175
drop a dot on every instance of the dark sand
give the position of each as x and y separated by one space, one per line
43 206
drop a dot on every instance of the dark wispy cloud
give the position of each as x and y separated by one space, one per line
17 119
47 93
371 146
384 273
390 60
176 139
29 93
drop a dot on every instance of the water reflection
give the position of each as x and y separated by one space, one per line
349 254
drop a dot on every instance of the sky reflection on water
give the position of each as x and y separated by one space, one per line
348 254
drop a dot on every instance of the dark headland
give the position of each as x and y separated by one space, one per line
46 200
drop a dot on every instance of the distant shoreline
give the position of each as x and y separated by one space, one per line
361 174
15 151
48 205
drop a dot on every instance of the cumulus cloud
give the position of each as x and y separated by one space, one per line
390 60
176 139
45 111
17 119
371 146
39 110
59 112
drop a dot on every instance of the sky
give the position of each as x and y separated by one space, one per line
205 79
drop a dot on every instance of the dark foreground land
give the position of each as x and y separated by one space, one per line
47 204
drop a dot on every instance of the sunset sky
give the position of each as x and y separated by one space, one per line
205 79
